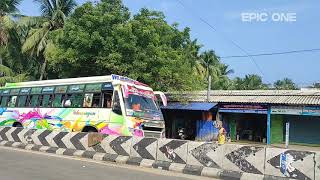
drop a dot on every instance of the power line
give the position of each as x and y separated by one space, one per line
230 40
274 53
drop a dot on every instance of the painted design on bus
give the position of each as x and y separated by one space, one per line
71 119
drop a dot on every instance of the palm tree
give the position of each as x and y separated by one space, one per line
10 76
223 81
7 7
249 82
54 13
285 84
209 64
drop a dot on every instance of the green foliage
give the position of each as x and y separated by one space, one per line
249 82
11 53
54 13
285 84
9 6
103 39
9 76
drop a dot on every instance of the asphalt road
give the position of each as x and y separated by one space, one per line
27 165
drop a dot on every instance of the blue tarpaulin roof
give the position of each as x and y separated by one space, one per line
190 106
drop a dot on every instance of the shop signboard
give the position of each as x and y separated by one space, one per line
294 110
311 110
244 108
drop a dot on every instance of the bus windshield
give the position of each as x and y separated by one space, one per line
141 103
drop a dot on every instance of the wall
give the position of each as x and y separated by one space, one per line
190 157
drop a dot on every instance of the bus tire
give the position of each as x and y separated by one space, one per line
17 124
89 129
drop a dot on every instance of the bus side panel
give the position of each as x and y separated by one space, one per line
64 119
116 125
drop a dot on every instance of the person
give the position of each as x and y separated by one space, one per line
67 103
222 134
136 106
107 100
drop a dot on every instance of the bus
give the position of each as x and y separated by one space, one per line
113 104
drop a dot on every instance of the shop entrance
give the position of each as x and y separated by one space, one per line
246 126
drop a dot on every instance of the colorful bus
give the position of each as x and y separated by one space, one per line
111 104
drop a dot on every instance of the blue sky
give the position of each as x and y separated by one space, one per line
254 37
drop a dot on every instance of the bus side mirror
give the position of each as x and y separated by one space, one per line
162 97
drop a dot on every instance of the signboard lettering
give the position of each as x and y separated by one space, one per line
244 108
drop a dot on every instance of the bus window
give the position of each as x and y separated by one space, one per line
116 107
107 100
57 101
4 101
76 100
91 100
47 100
22 101
87 101
34 101
96 100
12 102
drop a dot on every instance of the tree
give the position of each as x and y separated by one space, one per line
54 13
285 84
7 7
249 82
223 81
209 64
10 76
103 39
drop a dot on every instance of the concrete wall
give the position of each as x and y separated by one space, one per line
189 156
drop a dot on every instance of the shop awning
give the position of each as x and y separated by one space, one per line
190 106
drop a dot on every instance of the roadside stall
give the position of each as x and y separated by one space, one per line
247 122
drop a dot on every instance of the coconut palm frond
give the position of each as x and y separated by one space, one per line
36 42
9 6
6 70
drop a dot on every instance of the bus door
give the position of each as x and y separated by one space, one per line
112 101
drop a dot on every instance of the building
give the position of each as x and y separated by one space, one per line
261 115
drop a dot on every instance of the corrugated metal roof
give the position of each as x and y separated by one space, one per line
294 97
190 106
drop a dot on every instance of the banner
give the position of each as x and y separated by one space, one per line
294 110
244 108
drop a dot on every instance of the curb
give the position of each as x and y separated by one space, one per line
147 163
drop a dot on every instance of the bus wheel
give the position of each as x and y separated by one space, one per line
89 129
17 124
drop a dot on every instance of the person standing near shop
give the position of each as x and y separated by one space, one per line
222 134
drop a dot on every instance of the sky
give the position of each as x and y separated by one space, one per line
225 26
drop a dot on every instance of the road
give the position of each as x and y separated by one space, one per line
18 164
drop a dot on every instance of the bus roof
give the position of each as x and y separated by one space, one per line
82 80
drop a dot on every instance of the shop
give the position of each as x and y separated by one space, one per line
245 122
190 121
304 124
